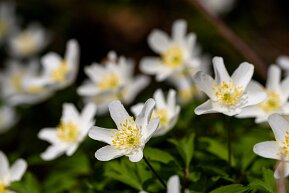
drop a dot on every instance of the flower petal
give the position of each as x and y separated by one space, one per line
250 111
158 41
243 74
72 54
285 87
206 107
17 170
267 149
172 99
205 83
150 129
101 134
118 113
273 78
4 166
280 127
179 30
143 118
52 152
70 113
284 166
221 73
255 93
136 109
48 134
107 153
174 184
136 156
283 62
160 99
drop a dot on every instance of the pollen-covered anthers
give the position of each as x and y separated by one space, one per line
2 187
128 137
109 81
272 102
230 95
60 73
163 115
26 43
284 147
67 132
173 57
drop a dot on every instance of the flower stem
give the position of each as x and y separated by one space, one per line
229 148
155 173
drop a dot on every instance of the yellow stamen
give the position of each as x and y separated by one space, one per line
16 81
2 187
188 94
109 81
173 57
127 137
26 43
228 93
272 102
163 115
67 132
284 149
59 74
34 89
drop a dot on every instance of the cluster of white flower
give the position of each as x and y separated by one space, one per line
112 83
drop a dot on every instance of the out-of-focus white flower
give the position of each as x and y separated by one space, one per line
70 132
131 135
173 185
28 42
177 55
219 6
112 81
7 118
276 101
278 149
283 62
20 85
228 95
10 174
7 20
61 72
167 111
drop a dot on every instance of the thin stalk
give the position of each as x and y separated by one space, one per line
155 172
230 36
229 147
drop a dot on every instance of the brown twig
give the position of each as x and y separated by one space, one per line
232 38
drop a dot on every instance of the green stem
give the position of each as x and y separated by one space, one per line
229 148
155 173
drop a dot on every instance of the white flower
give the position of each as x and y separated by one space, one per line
111 81
228 95
167 111
7 118
278 149
10 174
283 62
219 6
277 97
19 84
70 132
61 72
7 20
173 185
131 135
28 42
177 55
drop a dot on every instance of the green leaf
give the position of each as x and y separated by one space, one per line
124 171
268 184
233 188
158 155
28 185
185 148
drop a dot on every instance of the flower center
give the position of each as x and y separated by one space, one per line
67 132
26 43
127 137
188 93
284 147
228 94
34 89
173 57
3 27
163 115
59 74
272 102
2 187
109 81
16 81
